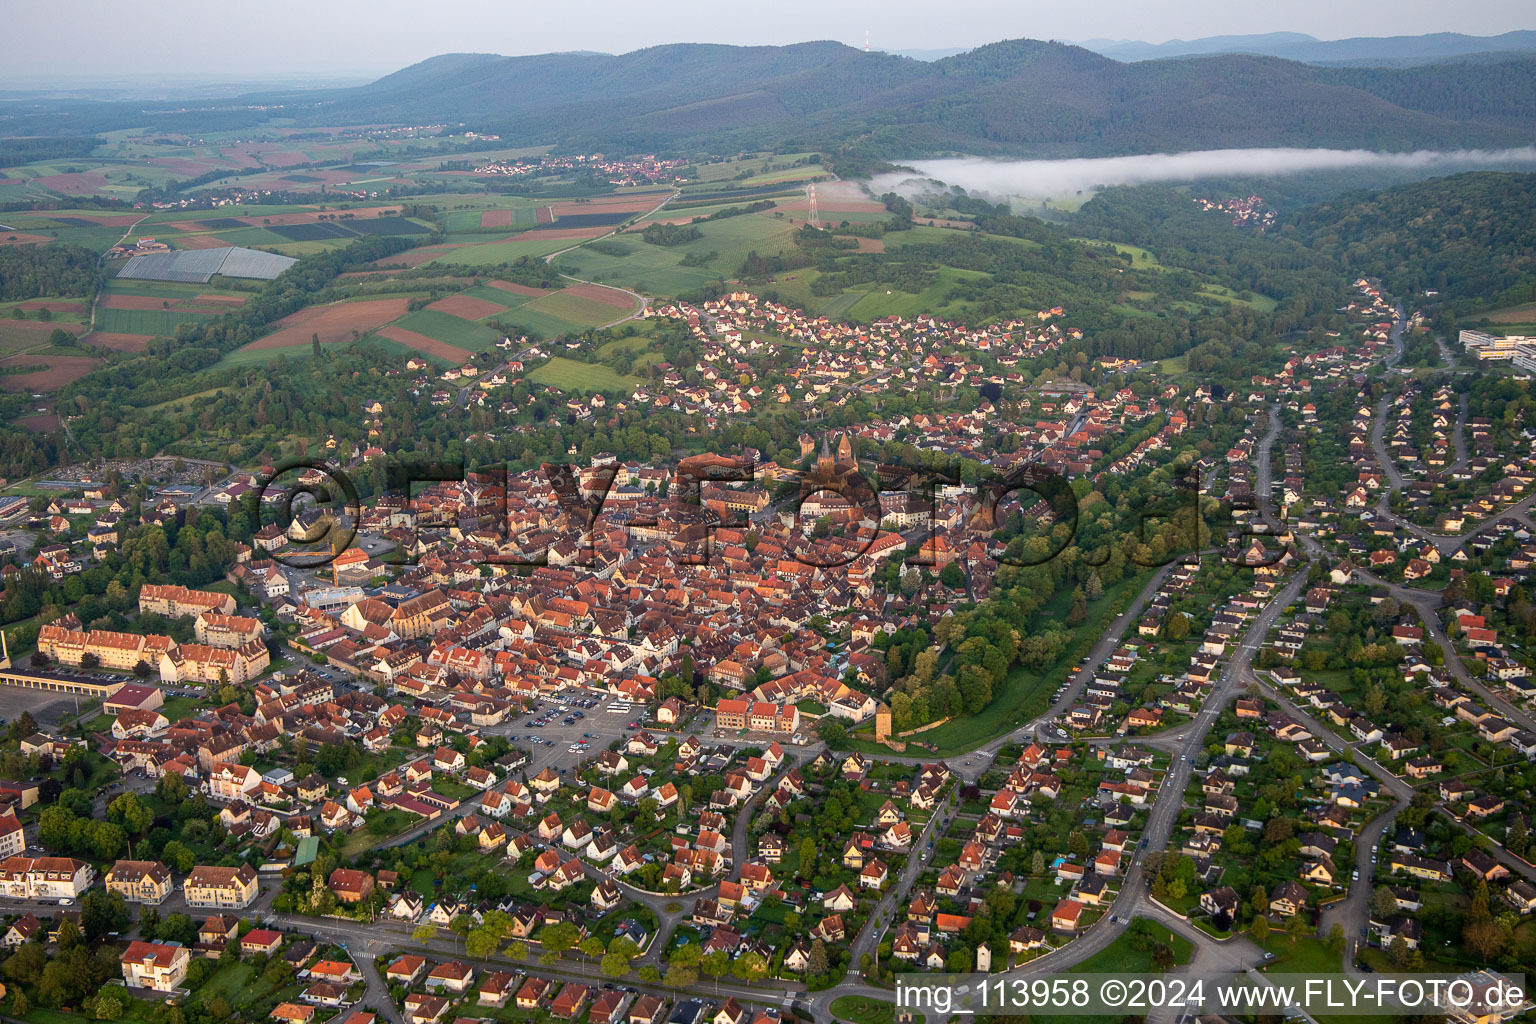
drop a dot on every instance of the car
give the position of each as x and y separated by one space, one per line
1356 875
66 903
634 725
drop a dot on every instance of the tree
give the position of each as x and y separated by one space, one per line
1336 940
1297 927
423 932
558 938
1485 937
715 964
681 977
816 960
750 967
592 946
1383 903
614 965
1259 929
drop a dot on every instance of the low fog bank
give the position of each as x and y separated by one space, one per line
1047 179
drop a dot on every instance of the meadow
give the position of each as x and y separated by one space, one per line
571 375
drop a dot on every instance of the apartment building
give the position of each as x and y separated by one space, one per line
174 602
45 878
209 887
140 881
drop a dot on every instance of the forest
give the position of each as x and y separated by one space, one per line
34 271
1468 236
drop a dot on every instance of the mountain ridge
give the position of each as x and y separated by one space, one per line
1011 97
1297 46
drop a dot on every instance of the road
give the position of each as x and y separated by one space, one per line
1354 911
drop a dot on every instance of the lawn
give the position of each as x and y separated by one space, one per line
570 375
1305 956
863 1011
1120 958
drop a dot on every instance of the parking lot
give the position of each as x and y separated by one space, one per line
560 732
46 708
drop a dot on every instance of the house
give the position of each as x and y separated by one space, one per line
570 1002
261 941
646 1009
1219 902
839 900
1066 915
351 886
496 988
421 1008
336 972
534 994
405 970
1288 899
155 966
21 930
452 976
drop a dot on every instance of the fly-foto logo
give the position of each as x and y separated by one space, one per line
317 510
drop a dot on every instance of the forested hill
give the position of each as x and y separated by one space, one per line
1469 236
1016 96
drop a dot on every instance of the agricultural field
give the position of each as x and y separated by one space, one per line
571 375
464 335
659 270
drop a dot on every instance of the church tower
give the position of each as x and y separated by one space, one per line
824 460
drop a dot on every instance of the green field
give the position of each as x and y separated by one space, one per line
570 375
466 334
15 338
172 290
787 174
534 243
657 270
577 309
650 269
1141 259
161 322
500 296
469 220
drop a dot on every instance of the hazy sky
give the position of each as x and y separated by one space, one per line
111 39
